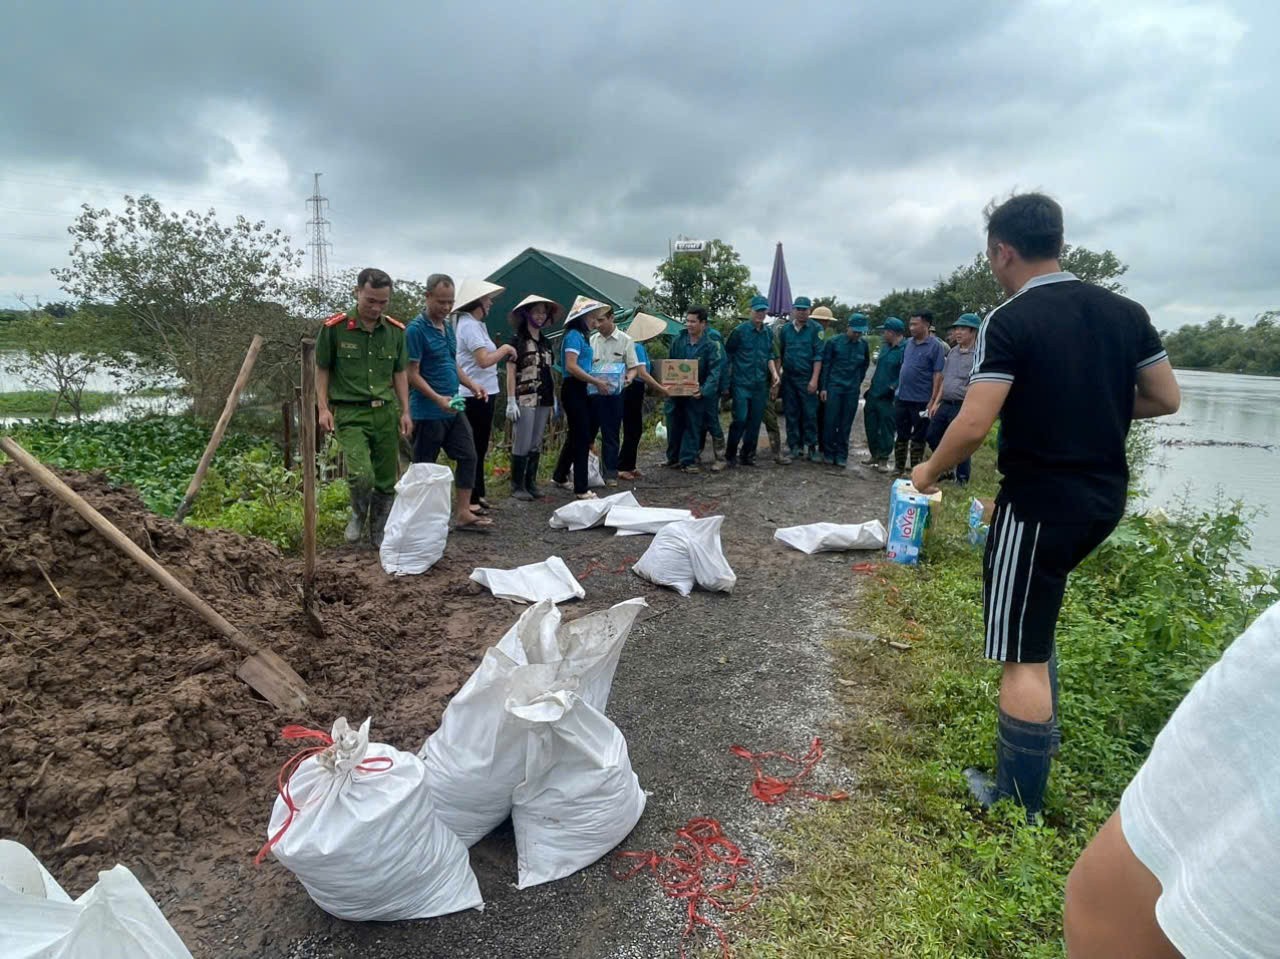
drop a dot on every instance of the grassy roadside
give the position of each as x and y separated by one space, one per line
40 402
908 867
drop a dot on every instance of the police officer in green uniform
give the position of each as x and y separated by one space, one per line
844 364
752 354
362 391
878 414
711 414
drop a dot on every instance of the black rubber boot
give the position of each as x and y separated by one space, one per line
531 476
917 454
900 455
379 510
519 464
360 496
1023 759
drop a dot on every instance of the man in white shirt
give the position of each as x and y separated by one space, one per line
613 356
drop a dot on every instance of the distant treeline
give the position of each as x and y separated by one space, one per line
1224 346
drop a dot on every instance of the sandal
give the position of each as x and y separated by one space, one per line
587 495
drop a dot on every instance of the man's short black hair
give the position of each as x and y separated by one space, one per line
699 311
926 315
1031 223
374 278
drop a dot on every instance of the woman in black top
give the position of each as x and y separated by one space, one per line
530 391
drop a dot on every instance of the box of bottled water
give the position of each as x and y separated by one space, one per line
908 519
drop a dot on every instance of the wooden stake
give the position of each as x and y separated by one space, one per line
307 419
220 430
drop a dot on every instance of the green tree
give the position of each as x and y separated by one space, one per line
839 310
195 290
1224 345
59 354
716 279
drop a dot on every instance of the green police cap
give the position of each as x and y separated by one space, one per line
894 325
970 320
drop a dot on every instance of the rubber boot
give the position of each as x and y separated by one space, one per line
360 496
917 454
717 455
518 466
1023 758
379 510
900 456
531 476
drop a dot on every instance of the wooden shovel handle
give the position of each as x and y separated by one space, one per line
220 430
53 484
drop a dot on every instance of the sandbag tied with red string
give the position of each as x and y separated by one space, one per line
476 758
355 823
685 554
580 796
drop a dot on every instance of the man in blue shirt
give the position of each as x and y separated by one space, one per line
434 375
919 386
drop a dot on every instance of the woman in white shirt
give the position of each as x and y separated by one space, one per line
478 358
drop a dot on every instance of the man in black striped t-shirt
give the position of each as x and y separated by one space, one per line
1066 366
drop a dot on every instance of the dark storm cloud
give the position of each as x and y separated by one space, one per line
867 138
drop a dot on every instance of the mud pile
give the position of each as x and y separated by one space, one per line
127 736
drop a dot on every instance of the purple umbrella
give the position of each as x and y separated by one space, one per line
779 287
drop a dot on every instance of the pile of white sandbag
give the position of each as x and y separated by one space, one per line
620 512
418 524
685 554
375 833
115 919
527 736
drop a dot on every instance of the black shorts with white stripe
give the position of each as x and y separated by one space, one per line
1024 576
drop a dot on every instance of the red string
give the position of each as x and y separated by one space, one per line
704 868
595 566
293 733
864 568
769 789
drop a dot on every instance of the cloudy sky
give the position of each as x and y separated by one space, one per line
865 137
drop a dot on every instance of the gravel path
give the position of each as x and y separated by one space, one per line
698 675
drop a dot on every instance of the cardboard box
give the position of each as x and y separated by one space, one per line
678 377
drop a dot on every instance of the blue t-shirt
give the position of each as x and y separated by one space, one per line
643 357
919 363
435 352
574 342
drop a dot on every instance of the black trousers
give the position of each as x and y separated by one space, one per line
911 425
573 400
632 425
480 416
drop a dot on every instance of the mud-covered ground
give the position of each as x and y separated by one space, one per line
130 739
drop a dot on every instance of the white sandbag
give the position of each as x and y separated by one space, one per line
685 554
476 758
115 919
820 537
418 525
595 478
586 513
643 519
365 840
549 580
580 797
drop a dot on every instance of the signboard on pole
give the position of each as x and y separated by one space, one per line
690 246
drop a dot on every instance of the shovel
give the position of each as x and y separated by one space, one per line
264 671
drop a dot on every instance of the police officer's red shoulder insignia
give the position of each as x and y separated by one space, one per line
393 321
335 319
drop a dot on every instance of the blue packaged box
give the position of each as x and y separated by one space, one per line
908 520
979 522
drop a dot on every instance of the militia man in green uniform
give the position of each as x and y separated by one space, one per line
362 391
878 414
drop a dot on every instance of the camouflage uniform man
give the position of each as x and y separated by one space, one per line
362 392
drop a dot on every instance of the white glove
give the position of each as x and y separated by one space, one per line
513 409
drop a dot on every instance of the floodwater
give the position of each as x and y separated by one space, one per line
124 407
1223 445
